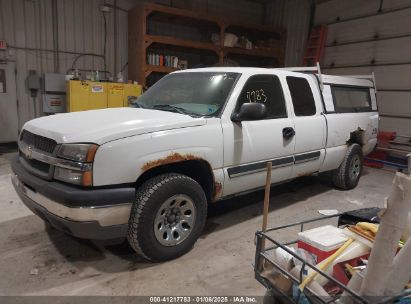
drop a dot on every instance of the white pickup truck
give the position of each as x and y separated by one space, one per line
197 136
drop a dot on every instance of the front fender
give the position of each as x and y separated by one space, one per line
124 160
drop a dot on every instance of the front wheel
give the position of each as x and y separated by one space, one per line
348 174
167 217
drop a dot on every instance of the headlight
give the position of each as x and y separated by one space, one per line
83 155
82 178
78 152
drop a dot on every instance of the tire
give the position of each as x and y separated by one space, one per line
346 177
154 215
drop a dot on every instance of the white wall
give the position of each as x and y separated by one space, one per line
357 49
27 26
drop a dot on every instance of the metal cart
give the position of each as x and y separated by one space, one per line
266 244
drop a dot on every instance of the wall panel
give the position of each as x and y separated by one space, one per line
364 42
383 51
385 25
394 4
330 11
394 103
27 27
400 125
294 16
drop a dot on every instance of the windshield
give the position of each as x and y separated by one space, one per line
192 93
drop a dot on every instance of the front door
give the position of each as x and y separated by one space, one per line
9 123
248 145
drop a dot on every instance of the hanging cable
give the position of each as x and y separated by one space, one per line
124 67
105 40
86 54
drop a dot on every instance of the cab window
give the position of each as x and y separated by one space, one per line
302 96
264 89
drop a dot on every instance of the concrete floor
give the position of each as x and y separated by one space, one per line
38 261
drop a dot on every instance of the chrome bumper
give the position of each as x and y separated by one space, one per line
105 215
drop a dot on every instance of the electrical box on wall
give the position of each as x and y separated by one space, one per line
33 83
54 103
54 97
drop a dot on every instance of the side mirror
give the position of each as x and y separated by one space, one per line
250 111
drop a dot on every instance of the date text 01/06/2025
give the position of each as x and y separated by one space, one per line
203 299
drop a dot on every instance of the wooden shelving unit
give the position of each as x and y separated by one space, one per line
142 42
158 69
166 40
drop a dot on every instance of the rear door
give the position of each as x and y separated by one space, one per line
310 124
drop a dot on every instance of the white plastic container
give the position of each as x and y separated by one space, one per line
322 241
230 40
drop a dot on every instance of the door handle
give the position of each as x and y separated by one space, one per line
288 132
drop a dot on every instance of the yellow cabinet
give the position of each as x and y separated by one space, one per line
131 90
88 95
116 95
97 98
77 96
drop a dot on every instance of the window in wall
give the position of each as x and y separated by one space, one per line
351 99
265 89
302 96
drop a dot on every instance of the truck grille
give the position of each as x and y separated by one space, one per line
38 142
38 165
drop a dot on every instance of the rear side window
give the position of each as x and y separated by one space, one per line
265 89
302 96
351 99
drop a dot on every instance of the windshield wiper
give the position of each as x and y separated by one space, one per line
172 108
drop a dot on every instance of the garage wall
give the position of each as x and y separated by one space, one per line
251 11
56 35
373 36
49 35
294 17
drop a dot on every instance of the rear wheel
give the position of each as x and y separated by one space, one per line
348 174
167 217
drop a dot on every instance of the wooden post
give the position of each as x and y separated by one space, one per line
267 196
265 210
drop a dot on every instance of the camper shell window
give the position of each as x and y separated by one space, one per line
350 99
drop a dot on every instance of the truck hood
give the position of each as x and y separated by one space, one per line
101 126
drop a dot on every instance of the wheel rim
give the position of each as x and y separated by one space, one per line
355 167
175 220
